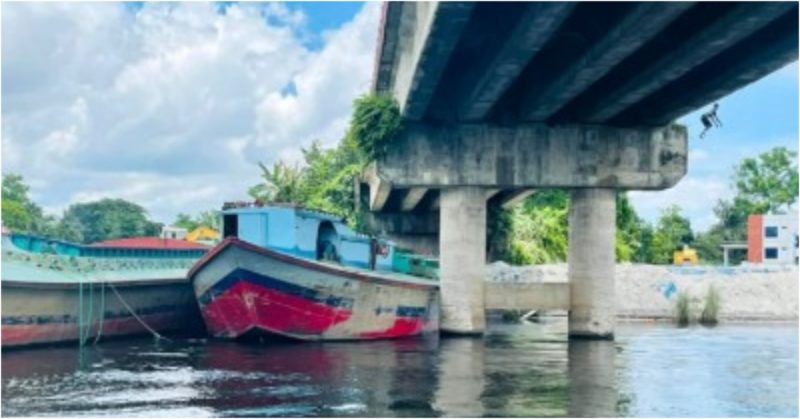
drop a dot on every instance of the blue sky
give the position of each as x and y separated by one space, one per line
171 105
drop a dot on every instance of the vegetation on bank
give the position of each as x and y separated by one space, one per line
711 307
685 312
683 309
533 232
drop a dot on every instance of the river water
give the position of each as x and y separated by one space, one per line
515 370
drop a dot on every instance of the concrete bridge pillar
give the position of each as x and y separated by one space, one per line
462 259
591 258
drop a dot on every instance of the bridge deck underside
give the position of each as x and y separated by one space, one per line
620 64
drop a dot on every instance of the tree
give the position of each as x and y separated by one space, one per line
16 216
108 219
19 212
282 183
768 182
208 218
185 221
672 231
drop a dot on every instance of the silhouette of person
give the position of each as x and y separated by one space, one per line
710 119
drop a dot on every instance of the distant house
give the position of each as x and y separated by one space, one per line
170 232
772 238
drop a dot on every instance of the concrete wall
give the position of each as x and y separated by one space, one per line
534 155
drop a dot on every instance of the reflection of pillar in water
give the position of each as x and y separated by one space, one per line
592 379
461 377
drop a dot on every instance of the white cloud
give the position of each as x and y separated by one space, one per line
696 196
170 105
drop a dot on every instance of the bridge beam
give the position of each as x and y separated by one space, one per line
743 20
536 156
640 25
423 36
489 79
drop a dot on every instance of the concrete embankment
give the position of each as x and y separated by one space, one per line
649 291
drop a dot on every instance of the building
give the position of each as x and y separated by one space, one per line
170 232
772 238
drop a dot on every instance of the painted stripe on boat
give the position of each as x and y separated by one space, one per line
69 318
245 275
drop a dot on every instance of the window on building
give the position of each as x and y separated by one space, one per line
771 232
771 253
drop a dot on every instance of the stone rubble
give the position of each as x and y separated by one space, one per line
649 291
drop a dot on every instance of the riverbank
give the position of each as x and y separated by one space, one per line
754 293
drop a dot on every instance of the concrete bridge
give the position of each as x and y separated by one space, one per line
500 99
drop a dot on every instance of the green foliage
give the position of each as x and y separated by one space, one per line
765 183
282 183
498 233
14 189
768 182
672 231
19 212
108 219
539 231
682 309
375 121
324 181
709 315
206 218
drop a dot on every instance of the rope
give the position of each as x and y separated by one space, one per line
130 310
80 311
102 312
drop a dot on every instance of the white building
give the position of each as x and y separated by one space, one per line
772 238
170 232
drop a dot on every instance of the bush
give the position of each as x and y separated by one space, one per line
682 309
709 315
376 120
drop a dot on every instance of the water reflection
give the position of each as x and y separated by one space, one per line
592 377
516 370
461 381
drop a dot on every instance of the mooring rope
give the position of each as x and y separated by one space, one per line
102 312
150 329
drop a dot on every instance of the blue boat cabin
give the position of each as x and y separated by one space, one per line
308 234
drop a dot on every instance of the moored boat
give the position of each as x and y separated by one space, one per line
301 274
51 293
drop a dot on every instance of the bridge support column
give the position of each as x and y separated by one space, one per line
592 228
462 259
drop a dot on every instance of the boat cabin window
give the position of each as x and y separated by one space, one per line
230 225
327 242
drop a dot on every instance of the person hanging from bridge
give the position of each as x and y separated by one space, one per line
710 119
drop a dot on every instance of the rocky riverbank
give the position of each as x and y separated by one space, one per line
649 291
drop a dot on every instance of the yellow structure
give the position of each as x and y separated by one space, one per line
685 256
202 234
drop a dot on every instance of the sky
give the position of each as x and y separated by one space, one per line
171 105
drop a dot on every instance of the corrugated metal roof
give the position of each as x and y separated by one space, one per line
150 243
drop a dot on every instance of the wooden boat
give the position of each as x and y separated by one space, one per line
52 297
304 275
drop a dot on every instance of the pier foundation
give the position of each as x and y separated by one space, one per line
462 259
591 258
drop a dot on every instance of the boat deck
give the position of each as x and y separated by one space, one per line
45 268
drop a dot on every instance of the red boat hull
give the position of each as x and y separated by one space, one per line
41 313
242 288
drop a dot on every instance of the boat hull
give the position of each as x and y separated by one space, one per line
35 313
242 288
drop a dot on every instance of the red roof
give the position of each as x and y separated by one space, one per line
150 243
